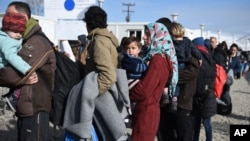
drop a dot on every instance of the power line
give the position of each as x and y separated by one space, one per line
128 10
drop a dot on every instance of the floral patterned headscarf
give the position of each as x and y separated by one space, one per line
162 44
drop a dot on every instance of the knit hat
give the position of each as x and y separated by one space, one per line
14 22
207 43
199 41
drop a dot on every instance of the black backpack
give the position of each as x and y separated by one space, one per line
67 74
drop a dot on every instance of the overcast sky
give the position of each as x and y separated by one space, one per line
228 16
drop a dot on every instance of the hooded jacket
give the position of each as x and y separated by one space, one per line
9 48
185 49
102 57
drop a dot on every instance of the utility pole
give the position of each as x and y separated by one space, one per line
128 10
100 2
174 17
202 28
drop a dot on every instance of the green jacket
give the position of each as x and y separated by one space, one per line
102 57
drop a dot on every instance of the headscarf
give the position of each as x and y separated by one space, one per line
162 44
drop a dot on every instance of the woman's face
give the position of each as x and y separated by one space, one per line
146 38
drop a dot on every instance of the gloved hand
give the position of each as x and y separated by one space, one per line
173 106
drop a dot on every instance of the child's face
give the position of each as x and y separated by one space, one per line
14 35
133 49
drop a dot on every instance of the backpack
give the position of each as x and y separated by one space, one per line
220 80
67 74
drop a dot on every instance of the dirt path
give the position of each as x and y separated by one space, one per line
240 93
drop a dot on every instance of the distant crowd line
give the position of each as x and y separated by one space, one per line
167 85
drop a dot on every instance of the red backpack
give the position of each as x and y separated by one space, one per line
220 80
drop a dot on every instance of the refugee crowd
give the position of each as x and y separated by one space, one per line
166 84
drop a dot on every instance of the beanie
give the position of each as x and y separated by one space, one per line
199 41
14 22
207 43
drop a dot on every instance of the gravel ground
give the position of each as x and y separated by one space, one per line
240 93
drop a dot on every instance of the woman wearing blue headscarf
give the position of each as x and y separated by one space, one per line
160 53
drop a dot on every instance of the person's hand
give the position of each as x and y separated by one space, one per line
173 106
32 79
200 62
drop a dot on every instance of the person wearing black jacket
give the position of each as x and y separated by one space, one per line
220 55
204 103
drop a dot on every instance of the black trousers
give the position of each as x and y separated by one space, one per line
176 126
34 128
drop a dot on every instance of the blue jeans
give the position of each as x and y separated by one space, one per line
244 67
207 125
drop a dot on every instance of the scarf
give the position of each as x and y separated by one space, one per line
29 25
162 44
